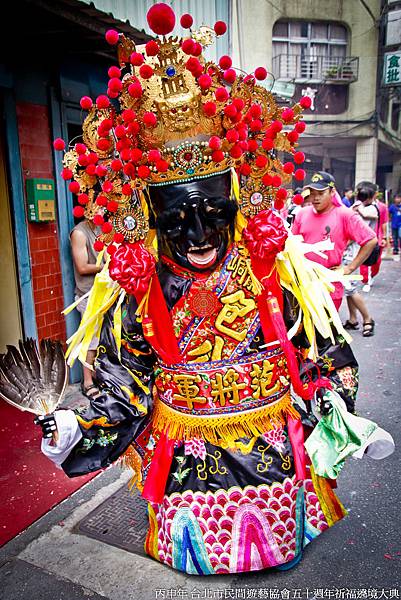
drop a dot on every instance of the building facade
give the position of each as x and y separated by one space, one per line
53 53
331 51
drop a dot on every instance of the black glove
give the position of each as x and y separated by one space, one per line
47 423
323 404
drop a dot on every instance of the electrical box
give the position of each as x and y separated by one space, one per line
41 200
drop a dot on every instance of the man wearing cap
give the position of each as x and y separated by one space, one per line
328 219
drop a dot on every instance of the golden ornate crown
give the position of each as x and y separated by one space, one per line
170 116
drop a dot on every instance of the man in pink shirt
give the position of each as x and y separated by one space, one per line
328 219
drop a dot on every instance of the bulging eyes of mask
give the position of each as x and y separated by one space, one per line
195 221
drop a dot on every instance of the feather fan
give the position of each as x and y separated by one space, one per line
32 380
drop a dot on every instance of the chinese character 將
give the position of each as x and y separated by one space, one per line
225 387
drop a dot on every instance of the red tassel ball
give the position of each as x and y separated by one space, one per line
232 136
256 111
115 84
197 49
101 200
215 142
112 206
154 155
128 115
217 156
281 194
236 151
287 114
230 75
136 59
187 46
209 108
83 199
220 28
80 148
126 189
261 161
260 73
162 166
118 238
66 174
107 227
299 158
111 37
74 187
288 168
221 94
98 220
90 169
86 103
298 199
146 71
225 62
78 211
278 204
245 170
149 119
161 18
98 245
101 171
186 21
292 136
205 81
305 102
114 72
102 101
267 144
135 90
276 181
103 144
152 48
300 174
267 180
252 145
300 127
59 144
143 172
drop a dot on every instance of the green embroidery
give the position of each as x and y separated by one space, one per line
102 439
181 473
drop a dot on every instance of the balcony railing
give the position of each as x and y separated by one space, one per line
304 68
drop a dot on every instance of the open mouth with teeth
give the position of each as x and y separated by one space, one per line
203 257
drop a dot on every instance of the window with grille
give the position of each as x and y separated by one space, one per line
309 50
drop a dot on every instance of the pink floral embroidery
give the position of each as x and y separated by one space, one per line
196 448
276 438
347 377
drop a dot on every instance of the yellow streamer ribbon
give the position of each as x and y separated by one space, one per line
311 284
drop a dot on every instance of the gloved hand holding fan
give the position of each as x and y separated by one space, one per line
35 380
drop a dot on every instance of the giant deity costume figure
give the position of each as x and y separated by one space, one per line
216 333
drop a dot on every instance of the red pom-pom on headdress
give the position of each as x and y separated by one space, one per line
220 28
111 37
186 21
161 18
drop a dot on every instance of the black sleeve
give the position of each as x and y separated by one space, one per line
113 420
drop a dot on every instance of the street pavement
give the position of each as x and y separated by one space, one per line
360 557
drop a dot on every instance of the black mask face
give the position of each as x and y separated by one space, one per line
195 220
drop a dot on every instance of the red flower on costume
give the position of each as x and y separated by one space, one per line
132 266
265 235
